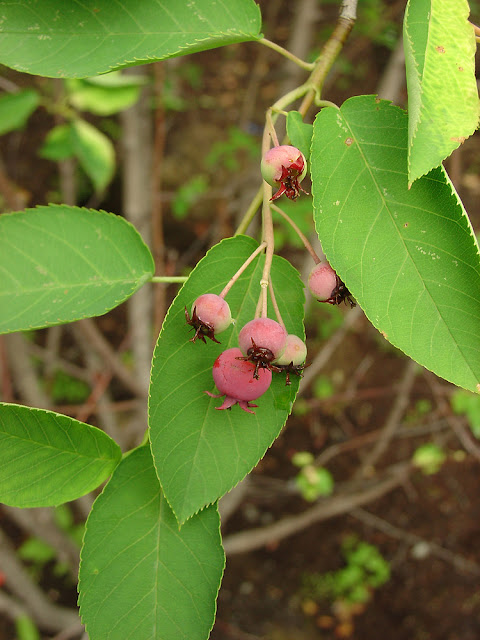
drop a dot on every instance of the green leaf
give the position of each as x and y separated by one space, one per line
94 152
105 98
299 132
58 144
47 458
97 36
140 575
443 100
201 453
16 108
60 263
409 257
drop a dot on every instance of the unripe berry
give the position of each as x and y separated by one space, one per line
322 281
233 377
292 359
284 167
295 352
210 315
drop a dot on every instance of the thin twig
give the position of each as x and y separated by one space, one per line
325 509
454 421
393 420
46 614
458 561
88 329
39 523
328 349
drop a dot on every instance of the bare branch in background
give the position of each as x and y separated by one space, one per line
329 508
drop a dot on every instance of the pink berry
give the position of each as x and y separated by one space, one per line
295 352
233 377
322 281
284 167
262 338
210 315
326 286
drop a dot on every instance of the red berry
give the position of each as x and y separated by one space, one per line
233 377
210 315
284 167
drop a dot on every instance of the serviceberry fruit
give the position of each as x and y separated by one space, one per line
292 359
284 167
326 286
262 340
210 315
233 377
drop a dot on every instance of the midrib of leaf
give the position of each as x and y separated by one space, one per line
228 416
420 277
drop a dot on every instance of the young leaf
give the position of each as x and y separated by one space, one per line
58 144
94 152
140 575
443 105
409 256
47 458
299 132
60 264
16 108
96 37
106 98
201 453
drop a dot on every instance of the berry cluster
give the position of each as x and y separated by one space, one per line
244 373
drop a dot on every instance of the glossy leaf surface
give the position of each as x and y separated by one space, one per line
140 575
97 36
201 453
60 263
443 102
47 458
409 256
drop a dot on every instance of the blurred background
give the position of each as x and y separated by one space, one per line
364 516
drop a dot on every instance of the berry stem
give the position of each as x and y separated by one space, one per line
271 128
250 212
275 305
301 235
284 52
235 277
270 245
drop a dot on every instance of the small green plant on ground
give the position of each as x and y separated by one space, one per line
365 571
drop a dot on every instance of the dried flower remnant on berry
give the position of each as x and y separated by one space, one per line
210 315
284 167
326 286
261 341
292 361
234 378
